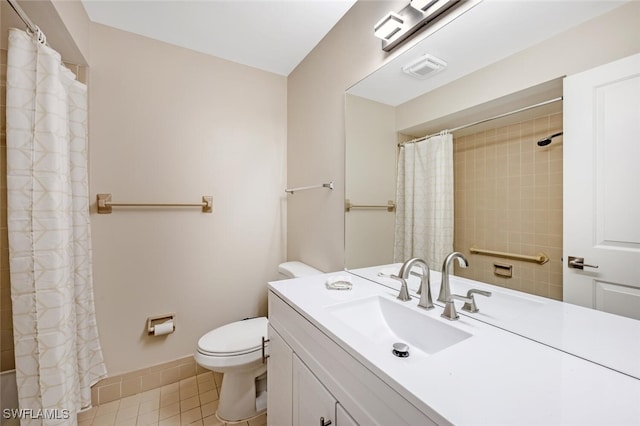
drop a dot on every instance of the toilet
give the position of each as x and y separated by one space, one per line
235 350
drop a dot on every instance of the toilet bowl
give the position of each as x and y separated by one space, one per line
235 350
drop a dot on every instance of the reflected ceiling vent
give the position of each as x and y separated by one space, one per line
424 67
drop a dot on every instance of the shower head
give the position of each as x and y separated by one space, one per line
546 141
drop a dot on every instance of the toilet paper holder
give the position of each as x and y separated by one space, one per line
160 319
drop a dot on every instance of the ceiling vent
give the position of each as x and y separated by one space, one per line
425 66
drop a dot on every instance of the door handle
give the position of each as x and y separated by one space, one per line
323 422
578 263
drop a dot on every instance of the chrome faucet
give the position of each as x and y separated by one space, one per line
404 290
445 287
471 306
425 283
450 312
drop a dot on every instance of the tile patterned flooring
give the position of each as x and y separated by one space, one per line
191 401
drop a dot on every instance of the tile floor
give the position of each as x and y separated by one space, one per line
191 401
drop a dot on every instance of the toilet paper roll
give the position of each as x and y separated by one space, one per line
261 401
163 328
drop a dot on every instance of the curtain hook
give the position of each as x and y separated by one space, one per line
38 34
42 39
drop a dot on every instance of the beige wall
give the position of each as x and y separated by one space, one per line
316 129
349 52
77 28
170 124
370 180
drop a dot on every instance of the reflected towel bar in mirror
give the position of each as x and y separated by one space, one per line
348 206
105 204
304 188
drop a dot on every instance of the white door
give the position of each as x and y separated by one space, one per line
312 402
601 187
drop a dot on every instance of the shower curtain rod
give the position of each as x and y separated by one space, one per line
484 121
28 22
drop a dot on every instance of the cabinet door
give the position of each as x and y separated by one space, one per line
343 418
311 401
279 380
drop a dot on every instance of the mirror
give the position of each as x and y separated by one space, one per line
507 189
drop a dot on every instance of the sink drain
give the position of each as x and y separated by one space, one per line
401 350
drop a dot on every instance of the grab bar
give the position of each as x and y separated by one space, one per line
105 204
348 206
303 188
540 258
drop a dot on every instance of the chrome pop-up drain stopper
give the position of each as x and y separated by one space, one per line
401 350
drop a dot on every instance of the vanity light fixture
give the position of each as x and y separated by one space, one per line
425 66
423 5
394 28
388 26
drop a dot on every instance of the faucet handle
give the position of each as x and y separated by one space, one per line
471 306
450 308
404 289
426 301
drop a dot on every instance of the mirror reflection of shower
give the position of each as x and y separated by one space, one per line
546 141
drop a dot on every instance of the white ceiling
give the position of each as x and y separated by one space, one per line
272 35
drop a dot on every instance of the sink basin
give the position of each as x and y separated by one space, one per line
386 322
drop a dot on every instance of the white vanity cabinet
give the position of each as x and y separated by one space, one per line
279 380
343 418
310 377
297 397
312 402
330 356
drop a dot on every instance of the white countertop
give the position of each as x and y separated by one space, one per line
609 340
492 378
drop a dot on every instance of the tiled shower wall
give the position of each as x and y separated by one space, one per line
6 323
508 198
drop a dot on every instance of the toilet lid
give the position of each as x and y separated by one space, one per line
236 338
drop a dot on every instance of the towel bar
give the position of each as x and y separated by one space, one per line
304 188
105 204
348 206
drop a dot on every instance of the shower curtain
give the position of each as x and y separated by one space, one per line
58 354
424 192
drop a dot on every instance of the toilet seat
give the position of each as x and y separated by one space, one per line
237 338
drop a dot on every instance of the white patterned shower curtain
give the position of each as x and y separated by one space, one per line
58 354
424 192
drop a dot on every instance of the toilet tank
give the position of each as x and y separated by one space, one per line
295 269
